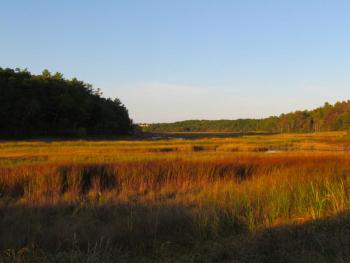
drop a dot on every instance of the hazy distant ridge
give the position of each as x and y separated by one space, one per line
329 117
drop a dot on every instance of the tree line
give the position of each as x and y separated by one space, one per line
329 117
50 105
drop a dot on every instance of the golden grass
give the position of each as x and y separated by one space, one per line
142 195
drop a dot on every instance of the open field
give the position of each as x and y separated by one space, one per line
258 198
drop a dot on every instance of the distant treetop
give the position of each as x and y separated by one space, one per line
326 118
49 105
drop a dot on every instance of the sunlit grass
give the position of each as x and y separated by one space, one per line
140 195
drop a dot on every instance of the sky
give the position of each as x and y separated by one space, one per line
172 60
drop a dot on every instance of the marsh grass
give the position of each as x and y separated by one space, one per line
149 199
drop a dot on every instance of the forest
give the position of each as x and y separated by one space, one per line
329 117
50 105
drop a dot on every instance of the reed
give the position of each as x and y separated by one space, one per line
146 197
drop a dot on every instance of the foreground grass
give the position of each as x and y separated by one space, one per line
236 199
324 240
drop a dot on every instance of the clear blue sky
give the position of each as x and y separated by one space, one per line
176 60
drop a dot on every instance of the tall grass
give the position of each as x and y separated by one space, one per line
150 200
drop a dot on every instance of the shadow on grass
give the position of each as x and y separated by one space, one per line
165 234
323 240
132 227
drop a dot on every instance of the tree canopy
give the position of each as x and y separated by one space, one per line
326 118
50 105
